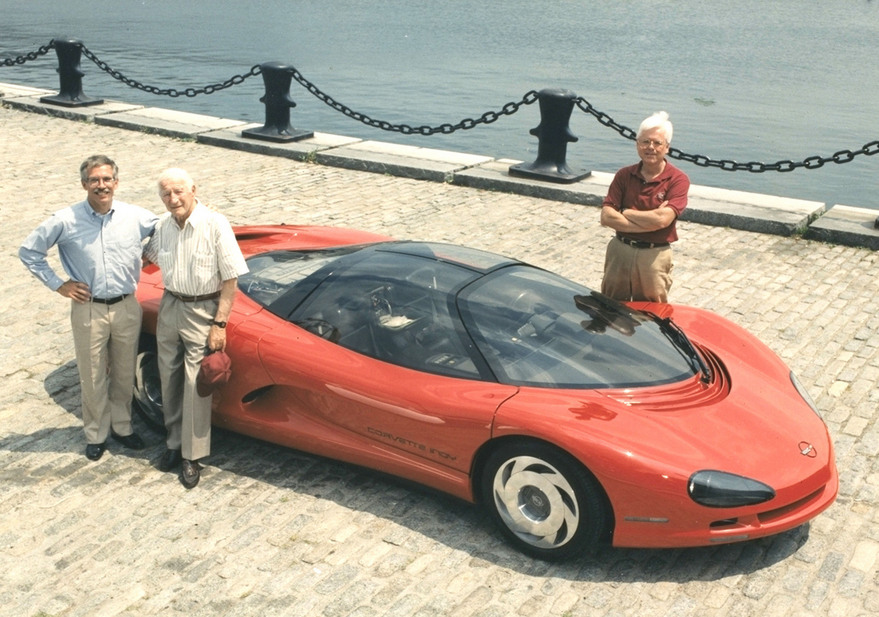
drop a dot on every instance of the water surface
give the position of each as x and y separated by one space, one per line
748 80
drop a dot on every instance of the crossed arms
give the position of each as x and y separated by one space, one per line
635 221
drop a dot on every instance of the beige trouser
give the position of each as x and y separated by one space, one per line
105 339
637 274
182 338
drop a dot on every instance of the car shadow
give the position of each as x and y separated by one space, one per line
466 527
454 523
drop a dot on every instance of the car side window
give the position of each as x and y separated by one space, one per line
396 308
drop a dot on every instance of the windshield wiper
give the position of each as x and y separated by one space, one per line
677 338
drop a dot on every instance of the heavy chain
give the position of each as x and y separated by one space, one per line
446 128
173 93
811 162
31 55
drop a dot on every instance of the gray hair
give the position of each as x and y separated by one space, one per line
96 160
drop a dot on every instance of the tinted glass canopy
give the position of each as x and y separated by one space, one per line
466 313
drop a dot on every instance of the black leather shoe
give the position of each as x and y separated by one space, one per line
94 451
190 474
132 442
170 459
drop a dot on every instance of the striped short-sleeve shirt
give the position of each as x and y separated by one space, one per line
197 259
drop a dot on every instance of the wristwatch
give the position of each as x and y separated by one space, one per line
219 324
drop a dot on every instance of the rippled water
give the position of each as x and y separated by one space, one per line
752 80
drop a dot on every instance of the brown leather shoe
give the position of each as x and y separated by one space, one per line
190 475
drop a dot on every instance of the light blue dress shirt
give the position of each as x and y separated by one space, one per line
102 251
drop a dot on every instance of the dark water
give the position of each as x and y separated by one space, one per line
750 80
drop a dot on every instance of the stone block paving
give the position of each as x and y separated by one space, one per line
270 531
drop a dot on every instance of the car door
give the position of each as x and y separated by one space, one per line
343 400
380 362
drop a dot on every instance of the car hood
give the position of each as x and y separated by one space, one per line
749 420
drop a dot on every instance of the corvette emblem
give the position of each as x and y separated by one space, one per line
807 449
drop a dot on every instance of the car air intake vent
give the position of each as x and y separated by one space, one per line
685 394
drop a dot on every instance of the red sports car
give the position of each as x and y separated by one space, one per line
574 419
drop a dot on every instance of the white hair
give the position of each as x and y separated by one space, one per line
175 173
658 120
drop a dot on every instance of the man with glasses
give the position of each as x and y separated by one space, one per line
100 245
642 206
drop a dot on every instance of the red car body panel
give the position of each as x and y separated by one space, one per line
294 388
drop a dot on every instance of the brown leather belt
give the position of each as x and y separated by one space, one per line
642 245
110 300
184 298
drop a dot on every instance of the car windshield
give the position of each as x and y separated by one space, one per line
538 329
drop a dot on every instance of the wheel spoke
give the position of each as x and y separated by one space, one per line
536 502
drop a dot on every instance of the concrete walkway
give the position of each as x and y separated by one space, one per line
271 531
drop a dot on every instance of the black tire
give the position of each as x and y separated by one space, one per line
147 386
545 502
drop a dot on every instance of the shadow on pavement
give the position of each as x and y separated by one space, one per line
463 526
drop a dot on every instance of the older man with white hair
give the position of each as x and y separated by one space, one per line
642 206
195 248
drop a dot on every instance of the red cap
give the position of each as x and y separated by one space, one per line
216 368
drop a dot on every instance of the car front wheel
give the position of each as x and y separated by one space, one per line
544 501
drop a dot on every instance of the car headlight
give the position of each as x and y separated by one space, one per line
803 393
718 489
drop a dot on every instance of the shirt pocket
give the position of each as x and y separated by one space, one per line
124 250
204 264
164 258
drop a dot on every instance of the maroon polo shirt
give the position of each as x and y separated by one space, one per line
629 190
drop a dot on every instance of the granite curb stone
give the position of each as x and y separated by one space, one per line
709 206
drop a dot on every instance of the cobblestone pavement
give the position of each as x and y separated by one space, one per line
271 531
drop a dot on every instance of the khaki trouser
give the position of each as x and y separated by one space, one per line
182 338
639 274
105 339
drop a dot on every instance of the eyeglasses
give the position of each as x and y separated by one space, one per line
95 181
656 143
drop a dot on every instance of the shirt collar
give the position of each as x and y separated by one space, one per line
666 172
199 212
87 208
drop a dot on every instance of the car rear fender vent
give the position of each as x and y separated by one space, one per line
253 395
688 394
771 515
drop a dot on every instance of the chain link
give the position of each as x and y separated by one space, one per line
811 162
446 128
31 55
171 92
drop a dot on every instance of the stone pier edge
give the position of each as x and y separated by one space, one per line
838 224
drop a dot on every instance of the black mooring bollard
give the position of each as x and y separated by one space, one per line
553 134
277 77
69 53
